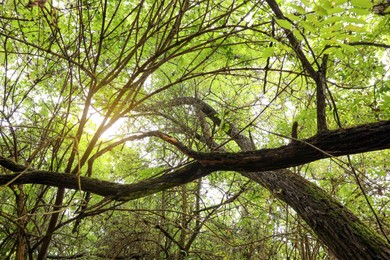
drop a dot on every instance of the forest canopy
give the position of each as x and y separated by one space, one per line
194 129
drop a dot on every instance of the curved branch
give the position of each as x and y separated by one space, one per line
112 190
364 138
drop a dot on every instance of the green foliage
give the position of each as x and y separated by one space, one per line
84 84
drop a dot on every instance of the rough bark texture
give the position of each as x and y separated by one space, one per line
360 139
115 191
364 138
21 236
335 225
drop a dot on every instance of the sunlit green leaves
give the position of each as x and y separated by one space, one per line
361 3
268 52
65 85
299 9
360 11
284 23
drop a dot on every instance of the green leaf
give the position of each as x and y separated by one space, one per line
336 10
293 17
360 11
327 5
306 3
299 9
313 19
330 50
320 10
332 19
298 34
355 20
307 26
284 24
268 52
347 47
338 53
354 28
361 3
334 28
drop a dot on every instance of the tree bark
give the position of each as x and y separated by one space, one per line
344 234
370 137
365 138
21 228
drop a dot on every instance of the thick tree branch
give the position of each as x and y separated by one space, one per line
115 191
364 138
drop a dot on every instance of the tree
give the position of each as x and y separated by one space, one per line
123 100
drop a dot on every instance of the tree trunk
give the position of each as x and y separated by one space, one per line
21 211
345 235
